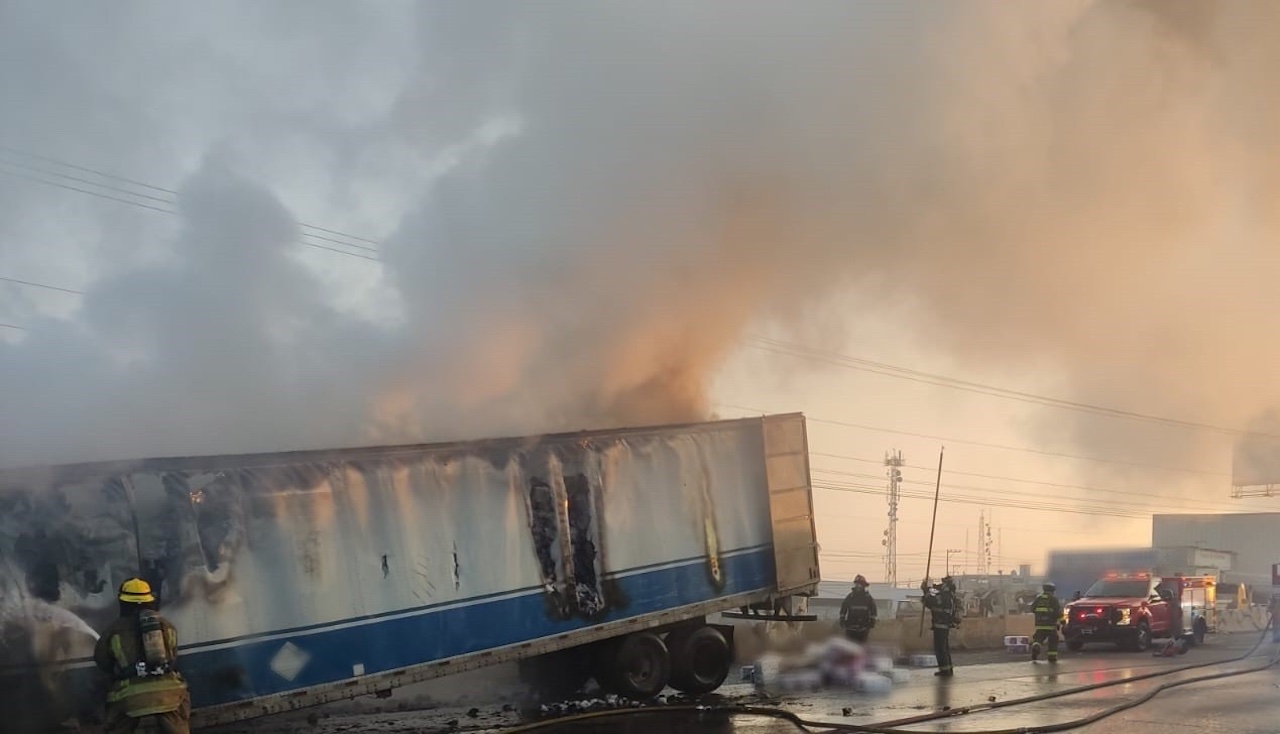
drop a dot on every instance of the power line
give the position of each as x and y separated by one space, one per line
162 189
1145 506
13 326
861 517
90 182
986 501
993 491
983 501
65 164
165 210
86 191
27 172
1059 485
799 350
983 444
34 284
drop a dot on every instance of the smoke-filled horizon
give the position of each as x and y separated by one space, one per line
582 209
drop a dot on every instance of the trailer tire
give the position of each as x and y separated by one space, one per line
700 660
637 666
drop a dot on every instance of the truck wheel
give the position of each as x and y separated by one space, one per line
1142 638
700 660
636 667
557 675
1075 645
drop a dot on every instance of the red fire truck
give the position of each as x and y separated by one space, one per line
1132 609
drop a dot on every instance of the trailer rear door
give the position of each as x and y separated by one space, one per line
795 540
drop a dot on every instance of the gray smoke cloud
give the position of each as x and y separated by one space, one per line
582 208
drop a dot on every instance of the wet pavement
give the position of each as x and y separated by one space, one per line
1242 704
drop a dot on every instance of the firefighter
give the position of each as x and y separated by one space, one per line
1048 611
858 612
139 652
944 612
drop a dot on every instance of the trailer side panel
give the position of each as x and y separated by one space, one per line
299 578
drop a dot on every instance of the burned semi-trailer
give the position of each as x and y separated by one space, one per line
300 578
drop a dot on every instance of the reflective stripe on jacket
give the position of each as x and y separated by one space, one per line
1048 611
118 653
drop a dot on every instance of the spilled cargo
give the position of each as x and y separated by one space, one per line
300 578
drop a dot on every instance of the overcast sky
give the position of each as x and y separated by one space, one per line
559 215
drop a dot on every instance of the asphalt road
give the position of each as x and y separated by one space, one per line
1245 704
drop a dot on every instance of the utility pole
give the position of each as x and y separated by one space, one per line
950 552
893 462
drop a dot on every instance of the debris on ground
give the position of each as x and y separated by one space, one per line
834 663
1171 648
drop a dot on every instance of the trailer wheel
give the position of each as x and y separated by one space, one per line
637 666
700 660
557 675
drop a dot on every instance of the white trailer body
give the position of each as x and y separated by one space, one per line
300 578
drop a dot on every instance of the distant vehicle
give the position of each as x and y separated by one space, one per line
1133 609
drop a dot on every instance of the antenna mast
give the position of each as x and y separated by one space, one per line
893 462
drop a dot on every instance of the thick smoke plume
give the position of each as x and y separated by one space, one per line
583 207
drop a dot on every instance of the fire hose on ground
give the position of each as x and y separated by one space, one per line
891 727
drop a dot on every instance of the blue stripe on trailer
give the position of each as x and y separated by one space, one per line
243 670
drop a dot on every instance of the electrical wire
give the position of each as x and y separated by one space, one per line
799 350
165 205
981 501
134 182
1164 499
984 444
1156 503
34 284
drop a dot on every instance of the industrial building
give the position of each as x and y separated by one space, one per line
1077 570
1253 539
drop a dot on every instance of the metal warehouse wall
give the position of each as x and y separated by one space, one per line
1253 537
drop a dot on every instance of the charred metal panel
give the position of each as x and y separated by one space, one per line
545 529
585 544
313 569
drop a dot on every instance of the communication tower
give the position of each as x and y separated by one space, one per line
893 462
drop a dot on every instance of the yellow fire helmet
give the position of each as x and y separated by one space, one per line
136 591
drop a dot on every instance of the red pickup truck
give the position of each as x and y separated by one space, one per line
1128 610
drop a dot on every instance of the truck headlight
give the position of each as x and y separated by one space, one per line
1122 616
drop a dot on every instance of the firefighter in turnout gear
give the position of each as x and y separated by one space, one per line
858 612
1048 611
140 653
944 611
